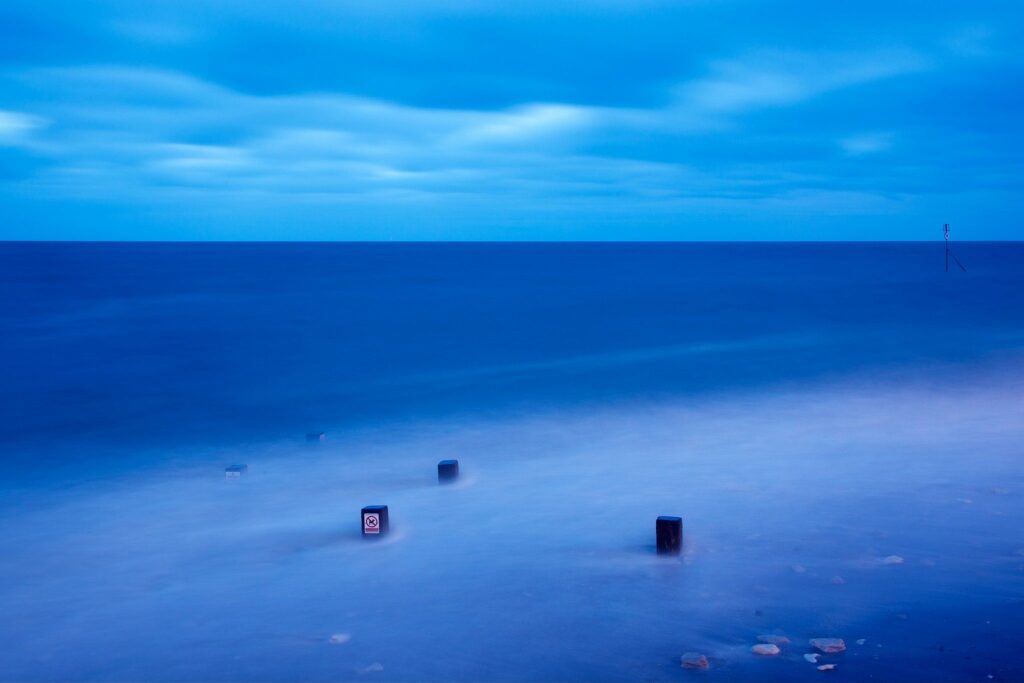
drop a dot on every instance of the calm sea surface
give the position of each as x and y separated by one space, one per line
841 426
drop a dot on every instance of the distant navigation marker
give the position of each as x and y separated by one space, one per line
949 252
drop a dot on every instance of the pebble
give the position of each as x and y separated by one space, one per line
376 666
339 638
893 559
766 649
829 646
827 667
693 660
861 641
773 639
812 657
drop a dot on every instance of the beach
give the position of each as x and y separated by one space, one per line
838 425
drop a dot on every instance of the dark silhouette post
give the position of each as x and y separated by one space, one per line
447 471
670 535
235 471
375 521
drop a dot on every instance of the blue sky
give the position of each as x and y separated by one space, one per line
510 120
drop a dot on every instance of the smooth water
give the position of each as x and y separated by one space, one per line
809 410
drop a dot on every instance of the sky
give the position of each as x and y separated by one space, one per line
525 120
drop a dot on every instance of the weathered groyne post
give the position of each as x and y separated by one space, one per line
447 471
669 532
235 471
375 521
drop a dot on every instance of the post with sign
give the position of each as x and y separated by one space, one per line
447 471
375 521
670 535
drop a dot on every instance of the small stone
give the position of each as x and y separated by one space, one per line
827 667
829 646
892 559
376 666
861 641
812 657
773 639
766 649
838 580
694 660
339 638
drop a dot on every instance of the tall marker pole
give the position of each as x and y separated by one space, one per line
945 234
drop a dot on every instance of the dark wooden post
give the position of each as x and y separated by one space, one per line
670 535
447 471
374 519
235 471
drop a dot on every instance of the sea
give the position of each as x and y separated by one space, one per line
840 427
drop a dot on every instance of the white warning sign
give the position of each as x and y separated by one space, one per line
371 523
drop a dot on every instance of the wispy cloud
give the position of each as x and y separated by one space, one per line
16 127
149 124
866 143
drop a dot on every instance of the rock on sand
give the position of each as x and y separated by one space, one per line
829 646
827 667
812 657
373 668
766 649
694 660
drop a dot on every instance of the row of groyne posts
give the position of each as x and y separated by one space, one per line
375 521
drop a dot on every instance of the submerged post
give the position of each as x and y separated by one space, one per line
375 520
447 471
235 471
670 535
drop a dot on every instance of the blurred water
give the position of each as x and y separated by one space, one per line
809 410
